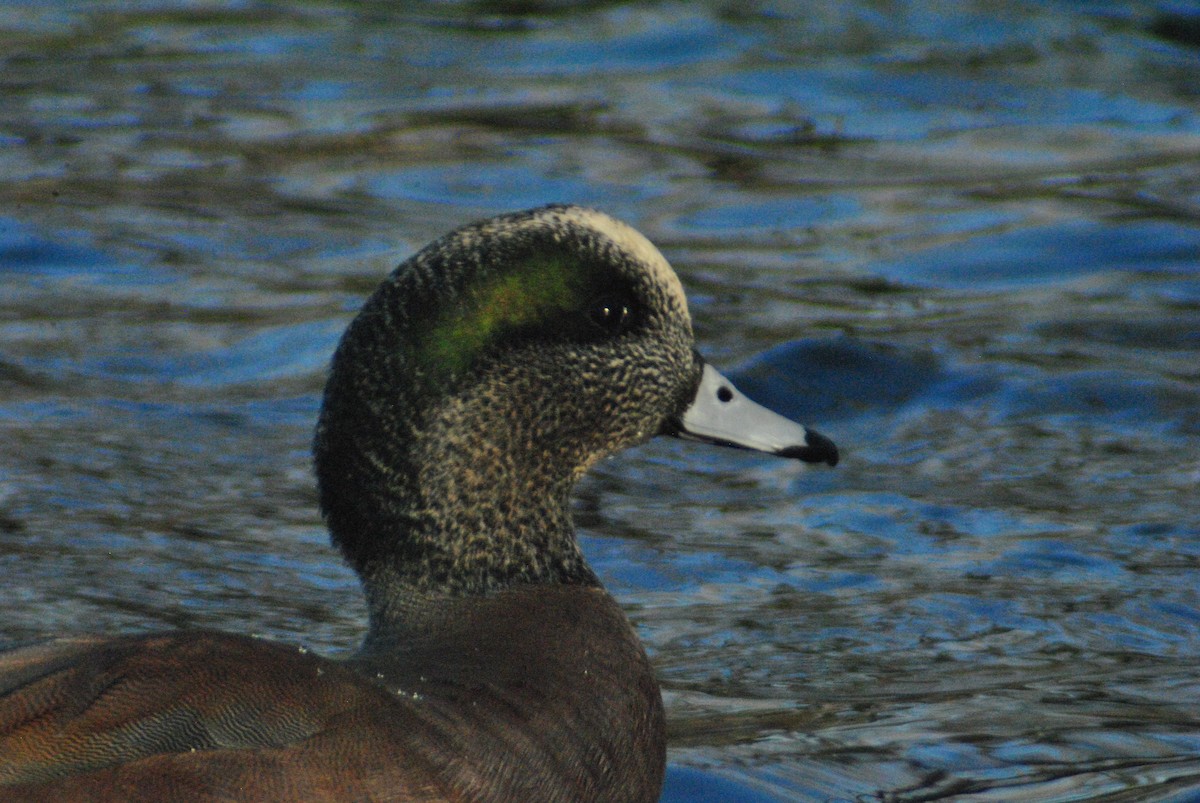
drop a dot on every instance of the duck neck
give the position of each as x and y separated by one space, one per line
446 512
459 542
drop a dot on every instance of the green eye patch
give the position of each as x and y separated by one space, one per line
542 289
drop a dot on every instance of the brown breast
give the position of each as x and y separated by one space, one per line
541 693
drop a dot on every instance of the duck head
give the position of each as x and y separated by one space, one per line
486 375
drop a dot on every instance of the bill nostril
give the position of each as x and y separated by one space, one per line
724 393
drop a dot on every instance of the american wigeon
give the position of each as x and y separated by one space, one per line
476 386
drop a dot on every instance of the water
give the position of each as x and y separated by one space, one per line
962 239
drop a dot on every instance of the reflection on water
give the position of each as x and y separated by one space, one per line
961 239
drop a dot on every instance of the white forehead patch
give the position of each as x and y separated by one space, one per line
622 235
631 241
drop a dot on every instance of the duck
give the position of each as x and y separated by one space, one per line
476 386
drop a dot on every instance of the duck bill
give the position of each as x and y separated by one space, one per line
722 414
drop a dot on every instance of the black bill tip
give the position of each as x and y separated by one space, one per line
816 449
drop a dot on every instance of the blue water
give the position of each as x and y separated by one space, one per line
963 240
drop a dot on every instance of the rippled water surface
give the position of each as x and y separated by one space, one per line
960 238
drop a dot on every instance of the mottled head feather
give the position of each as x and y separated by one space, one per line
474 389
516 273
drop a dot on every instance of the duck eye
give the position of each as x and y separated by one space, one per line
611 315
